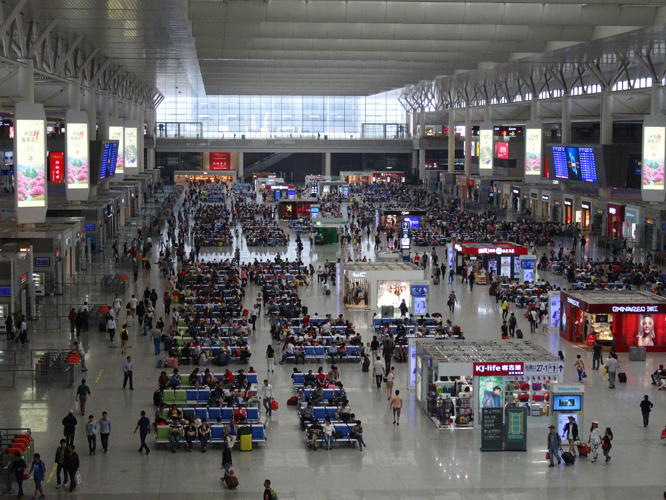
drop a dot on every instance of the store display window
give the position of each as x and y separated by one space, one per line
356 293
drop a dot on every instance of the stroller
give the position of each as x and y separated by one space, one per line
583 449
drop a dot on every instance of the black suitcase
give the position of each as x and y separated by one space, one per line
568 458
157 398
366 364
622 377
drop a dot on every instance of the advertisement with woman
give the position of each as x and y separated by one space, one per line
642 330
392 293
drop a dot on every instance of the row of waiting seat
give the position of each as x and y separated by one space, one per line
394 321
252 378
340 427
212 414
313 353
216 433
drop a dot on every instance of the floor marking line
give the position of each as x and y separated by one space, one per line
98 376
52 472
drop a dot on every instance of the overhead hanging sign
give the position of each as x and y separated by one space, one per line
78 156
533 149
30 161
131 157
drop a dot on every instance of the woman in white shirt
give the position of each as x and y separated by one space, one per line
390 377
595 439
328 432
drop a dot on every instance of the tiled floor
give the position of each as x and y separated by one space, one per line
413 461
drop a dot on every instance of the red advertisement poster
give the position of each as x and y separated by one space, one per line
56 167
220 161
502 150
644 330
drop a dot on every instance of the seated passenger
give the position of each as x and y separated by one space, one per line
175 379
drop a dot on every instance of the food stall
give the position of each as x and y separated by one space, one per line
289 209
184 177
380 286
502 257
637 318
456 380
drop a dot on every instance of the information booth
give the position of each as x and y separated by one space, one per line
636 318
505 374
502 257
380 286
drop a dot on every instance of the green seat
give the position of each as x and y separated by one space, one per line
181 322
168 398
184 380
163 433
181 397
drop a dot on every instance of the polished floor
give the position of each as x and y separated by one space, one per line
413 461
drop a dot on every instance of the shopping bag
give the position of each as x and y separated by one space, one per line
605 370
77 479
274 405
547 456
584 375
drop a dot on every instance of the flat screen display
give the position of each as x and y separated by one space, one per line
502 150
392 293
566 403
575 163
77 156
108 159
113 158
56 167
653 158
419 291
413 221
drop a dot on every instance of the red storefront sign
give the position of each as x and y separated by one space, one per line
56 167
499 369
220 161
497 249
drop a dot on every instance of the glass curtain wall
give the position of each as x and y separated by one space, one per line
282 116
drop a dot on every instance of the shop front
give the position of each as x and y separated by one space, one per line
184 177
615 221
334 188
388 177
502 257
630 228
457 380
544 206
635 318
568 211
585 214
351 177
292 209
393 219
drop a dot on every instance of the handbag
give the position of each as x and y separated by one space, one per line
605 370
77 478
547 455
605 446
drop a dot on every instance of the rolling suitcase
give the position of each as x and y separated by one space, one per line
622 377
366 364
568 458
231 481
245 437
435 281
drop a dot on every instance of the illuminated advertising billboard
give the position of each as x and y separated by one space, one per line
654 150
533 152
30 163
56 166
220 161
116 133
131 157
78 171
486 149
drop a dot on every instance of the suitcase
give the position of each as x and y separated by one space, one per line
366 364
231 481
246 442
157 398
171 362
622 377
583 450
292 401
130 320
568 458
435 281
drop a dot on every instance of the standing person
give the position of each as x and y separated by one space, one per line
505 308
72 321
157 340
266 392
374 347
104 431
646 408
403 308
388 349
451 275
111 326
270 359
84 312
396 405
390 377
23 332
611 366
82 393
254 312
18 468
452 301
69 424
117 305
269 494
61 452
226 460
513 321
124 338
596 355
91 434
580 368
607 445
143 426
128 368
471 280
38 470
379 370
595 439
570 431
554 446
80 351
72 465
533 318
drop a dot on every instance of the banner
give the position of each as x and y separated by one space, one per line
117 133
533 150
30 163
220 161
130 156
654 150
78 170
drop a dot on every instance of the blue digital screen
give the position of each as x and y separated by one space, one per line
90 227
527 264
113 155
413 221
566 403
277 194
419 291
574 163
5 291
42 262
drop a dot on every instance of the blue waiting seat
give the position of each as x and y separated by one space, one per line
298 379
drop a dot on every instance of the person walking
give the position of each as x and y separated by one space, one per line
387 350
471 280
143 426
111 326
226 460
128 369
570 431
18 469
646 408
379 370
390 377
72 321
554 446
580 368
596 355
59 460
105 431
513 321
82 393
607 445
611 366
505 308
270 359
124 338
396 406
451 302
69 424
78 349
157 340
37 470
254 312
595 439
91 434
117 305
269 494
23 332
71 465
267 393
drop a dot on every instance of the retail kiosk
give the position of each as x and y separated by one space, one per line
334 188
290 209
637 318
492 374
502 257
394 218
568 400
184 177
375 285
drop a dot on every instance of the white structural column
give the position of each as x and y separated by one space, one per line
606 117
468 142
150 151
415 161
138 111
489 113
407 123
452 141
415 121
104 116
535 109
327 163
74 95
566 118
656 98
113 102
422 123
26 81
422 169
241 167
91 110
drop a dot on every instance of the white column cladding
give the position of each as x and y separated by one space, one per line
150 152
452 141
26 81
606 117
422 169
241 167
415 121
152 122
488 113
114 105
74 94
656 98
566 118
327 163
91 110
104 115
407 123
535 109
415 161
422 122
468 142
138 109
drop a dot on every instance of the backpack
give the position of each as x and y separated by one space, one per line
124 335
273 494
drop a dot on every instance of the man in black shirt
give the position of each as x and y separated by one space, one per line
596 355
315 431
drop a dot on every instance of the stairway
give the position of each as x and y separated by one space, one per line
265 163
